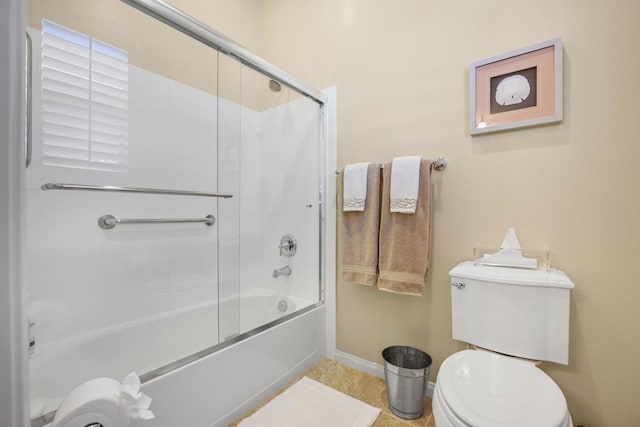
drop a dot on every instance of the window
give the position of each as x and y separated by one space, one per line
84 101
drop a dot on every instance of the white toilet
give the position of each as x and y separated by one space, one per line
515 314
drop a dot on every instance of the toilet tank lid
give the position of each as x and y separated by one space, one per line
512 276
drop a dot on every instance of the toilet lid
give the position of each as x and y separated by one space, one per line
488 389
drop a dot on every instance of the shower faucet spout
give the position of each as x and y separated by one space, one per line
284 271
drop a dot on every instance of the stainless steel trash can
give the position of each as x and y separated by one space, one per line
406 372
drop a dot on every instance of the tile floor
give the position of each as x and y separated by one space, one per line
362 386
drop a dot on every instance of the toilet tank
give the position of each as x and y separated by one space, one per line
518 312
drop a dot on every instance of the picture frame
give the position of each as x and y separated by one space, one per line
517 89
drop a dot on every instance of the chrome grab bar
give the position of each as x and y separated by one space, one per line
107 222
82 187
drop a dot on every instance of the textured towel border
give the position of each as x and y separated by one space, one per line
401 283
363 275
404 205
353 203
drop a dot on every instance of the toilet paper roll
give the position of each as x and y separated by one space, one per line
96 401
104 401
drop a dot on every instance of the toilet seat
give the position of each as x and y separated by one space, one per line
479 388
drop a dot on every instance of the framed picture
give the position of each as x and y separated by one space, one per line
517 89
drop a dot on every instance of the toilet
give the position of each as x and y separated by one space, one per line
515 317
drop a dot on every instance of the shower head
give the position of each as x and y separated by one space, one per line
275 86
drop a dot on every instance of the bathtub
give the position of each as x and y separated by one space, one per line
217 389
273 339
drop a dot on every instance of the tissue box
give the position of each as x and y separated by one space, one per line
542 255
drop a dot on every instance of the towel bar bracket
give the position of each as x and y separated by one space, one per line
440 163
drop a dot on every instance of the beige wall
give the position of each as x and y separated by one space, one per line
401 71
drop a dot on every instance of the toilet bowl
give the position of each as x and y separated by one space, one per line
483 389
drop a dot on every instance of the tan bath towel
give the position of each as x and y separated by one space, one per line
360 233
404 239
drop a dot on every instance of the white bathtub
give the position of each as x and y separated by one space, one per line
148 344
219 388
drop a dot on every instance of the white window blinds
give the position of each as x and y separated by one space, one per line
84 101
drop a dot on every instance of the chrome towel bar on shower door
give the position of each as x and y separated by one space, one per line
82 187
107 222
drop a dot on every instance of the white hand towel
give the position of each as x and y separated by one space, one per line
405 184
355 187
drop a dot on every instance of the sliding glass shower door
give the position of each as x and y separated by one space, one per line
269 154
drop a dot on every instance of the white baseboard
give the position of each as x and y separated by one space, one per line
371 368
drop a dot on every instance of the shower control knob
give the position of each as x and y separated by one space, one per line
288 245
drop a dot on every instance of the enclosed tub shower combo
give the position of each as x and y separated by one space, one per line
175 212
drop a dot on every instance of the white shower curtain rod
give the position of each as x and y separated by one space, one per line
199 31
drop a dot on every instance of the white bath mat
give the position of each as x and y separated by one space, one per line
311 404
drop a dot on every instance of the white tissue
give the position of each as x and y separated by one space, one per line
510 241
510 254
136 402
